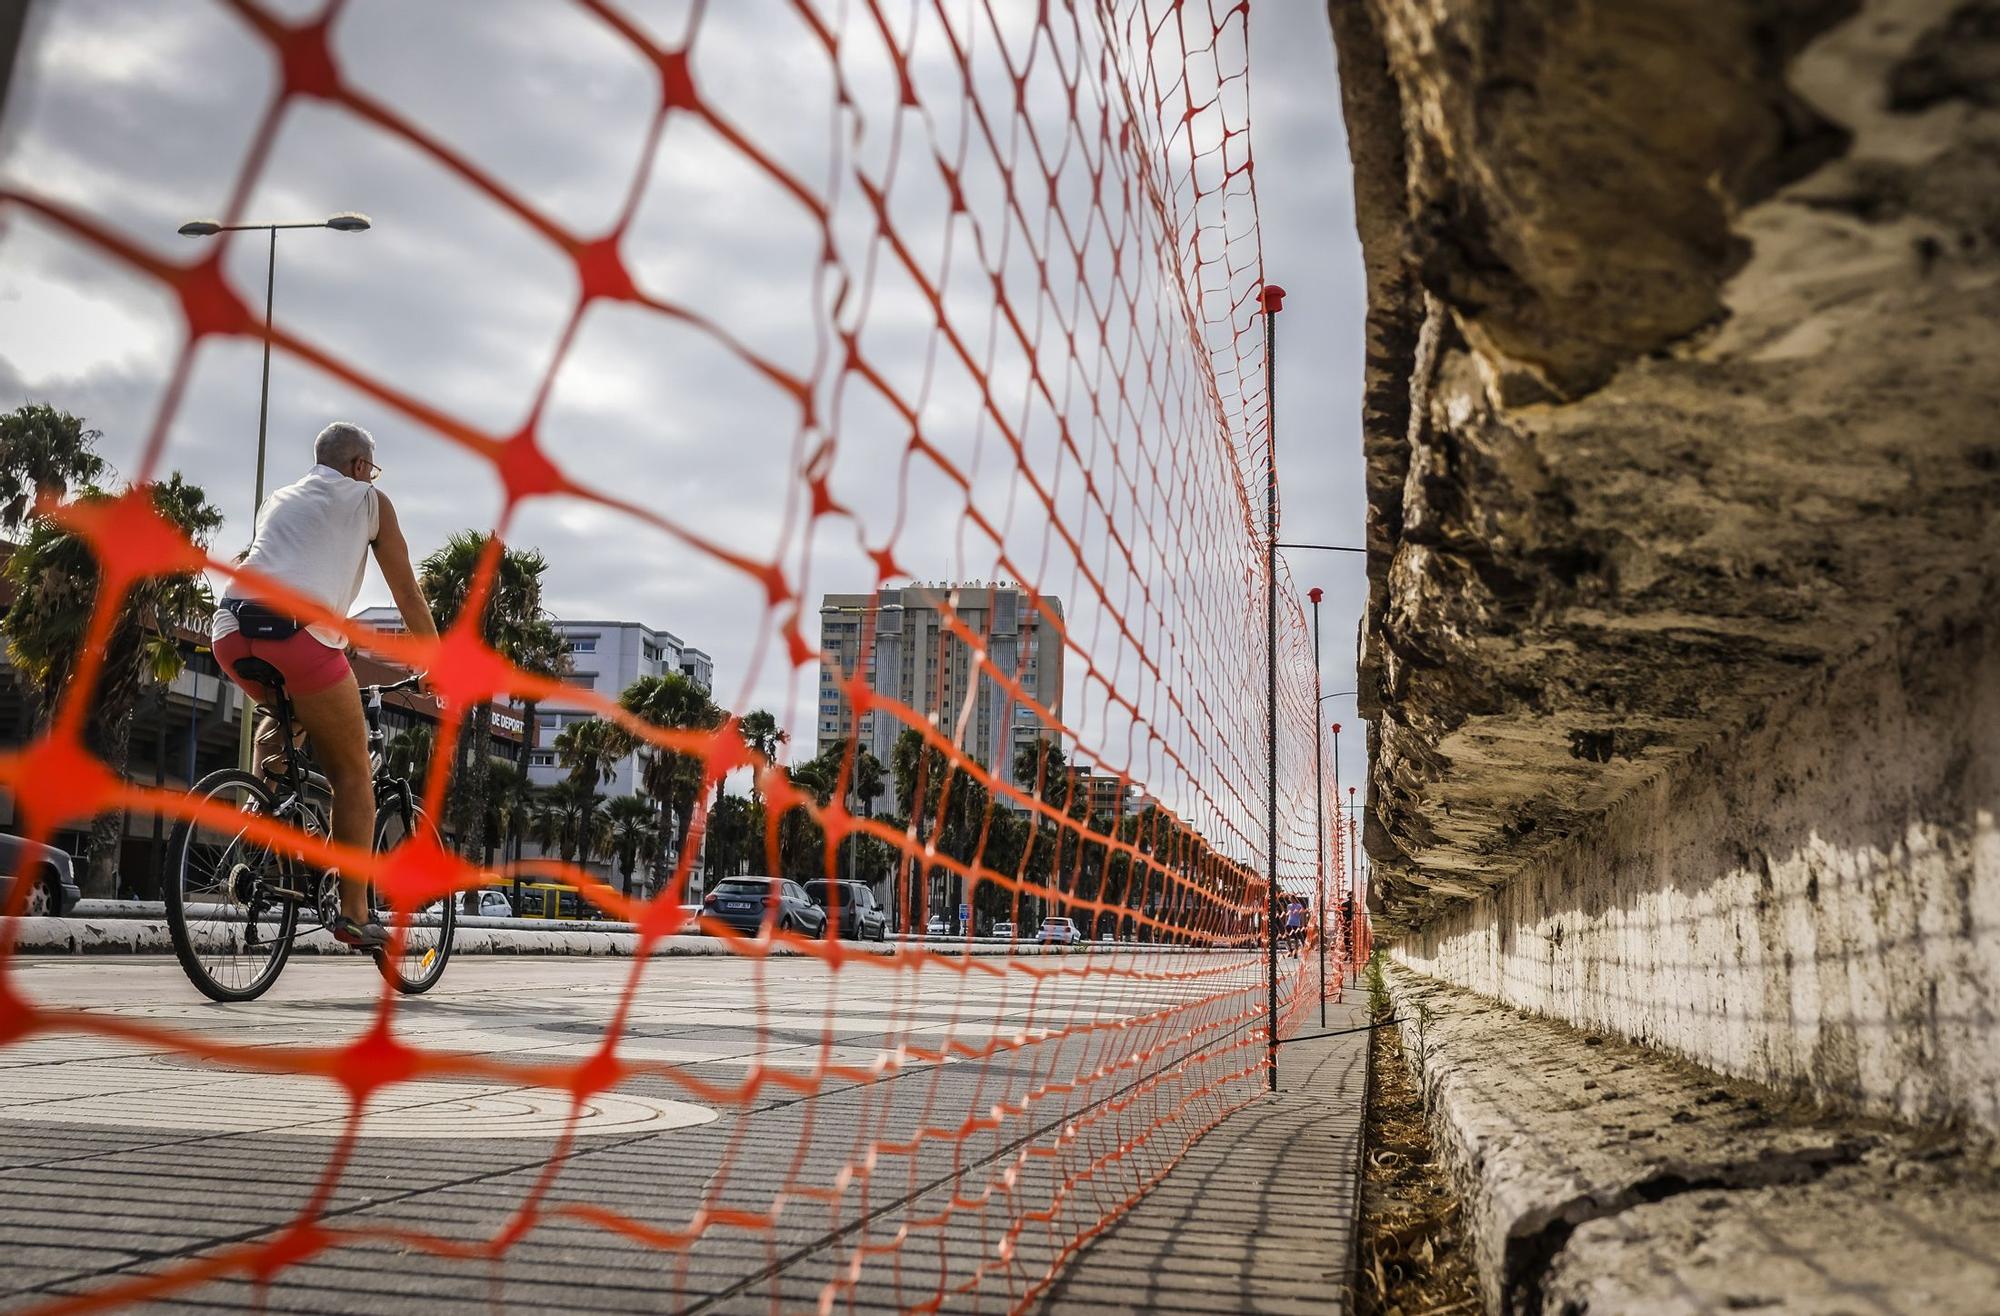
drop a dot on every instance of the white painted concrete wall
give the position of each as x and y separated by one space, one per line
1814 905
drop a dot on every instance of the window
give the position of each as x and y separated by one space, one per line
583 644
542 758
581 680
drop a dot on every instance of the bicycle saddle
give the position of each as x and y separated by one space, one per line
260 672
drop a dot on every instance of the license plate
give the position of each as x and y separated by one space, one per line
736 904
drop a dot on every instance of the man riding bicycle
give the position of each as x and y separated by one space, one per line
315 535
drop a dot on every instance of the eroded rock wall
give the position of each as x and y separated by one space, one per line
1684 409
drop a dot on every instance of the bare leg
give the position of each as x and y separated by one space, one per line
339 731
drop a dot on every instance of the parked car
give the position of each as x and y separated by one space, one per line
1060 931
747 903
861 918
937 927
1004 930
49 870
494 904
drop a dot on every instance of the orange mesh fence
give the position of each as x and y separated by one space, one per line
1053 210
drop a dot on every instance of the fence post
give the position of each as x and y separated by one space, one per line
1274 301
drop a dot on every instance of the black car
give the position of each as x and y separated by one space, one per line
861 919
51 878
748 903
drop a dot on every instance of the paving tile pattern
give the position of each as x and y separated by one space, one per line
84 1205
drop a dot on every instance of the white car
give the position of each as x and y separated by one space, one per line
1060 930
492 904
1004 931
936 927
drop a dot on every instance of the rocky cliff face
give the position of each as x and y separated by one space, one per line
1684 390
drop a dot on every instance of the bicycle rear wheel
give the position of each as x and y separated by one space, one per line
232 928
427 931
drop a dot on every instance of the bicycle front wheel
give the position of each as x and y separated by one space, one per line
232 901
426 931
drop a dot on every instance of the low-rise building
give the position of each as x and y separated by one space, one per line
605 657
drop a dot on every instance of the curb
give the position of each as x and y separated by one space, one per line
1600 1175
140 928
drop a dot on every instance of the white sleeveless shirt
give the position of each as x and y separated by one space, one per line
313 535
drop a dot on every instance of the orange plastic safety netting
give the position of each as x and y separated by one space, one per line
1027 310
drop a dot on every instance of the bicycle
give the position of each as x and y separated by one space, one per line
236 905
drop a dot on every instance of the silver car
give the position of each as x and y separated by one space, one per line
54 890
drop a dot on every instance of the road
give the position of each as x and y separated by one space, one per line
789 1134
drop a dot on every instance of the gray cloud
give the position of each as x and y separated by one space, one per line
459 303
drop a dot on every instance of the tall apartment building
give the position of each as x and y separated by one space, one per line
917 660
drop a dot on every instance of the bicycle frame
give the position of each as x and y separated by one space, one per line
295 802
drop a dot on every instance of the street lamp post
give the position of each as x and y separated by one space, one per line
1337 829
1319 801
345 222
1353 876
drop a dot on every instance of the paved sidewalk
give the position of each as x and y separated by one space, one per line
1260 1216
120 1162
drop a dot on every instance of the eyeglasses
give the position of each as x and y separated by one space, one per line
374 471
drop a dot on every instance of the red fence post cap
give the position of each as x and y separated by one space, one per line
1336 728
1273 298
1315 594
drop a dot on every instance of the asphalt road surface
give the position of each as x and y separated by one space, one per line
789 1140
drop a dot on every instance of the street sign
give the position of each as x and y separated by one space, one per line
964 914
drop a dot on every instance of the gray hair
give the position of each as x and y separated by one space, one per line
340 443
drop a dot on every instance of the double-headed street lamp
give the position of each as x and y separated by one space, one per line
345 222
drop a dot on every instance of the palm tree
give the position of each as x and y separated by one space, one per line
674 780
514 625
634 835
55 577
539 650
44 453
591 750
507 792
732 824
870 781
801 840
407 754
570 821
759 729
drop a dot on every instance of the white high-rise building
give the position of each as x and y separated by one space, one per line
605 657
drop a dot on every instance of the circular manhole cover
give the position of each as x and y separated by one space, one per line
125 1096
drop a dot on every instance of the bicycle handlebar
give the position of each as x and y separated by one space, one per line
410 682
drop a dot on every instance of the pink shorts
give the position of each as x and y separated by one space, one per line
307 665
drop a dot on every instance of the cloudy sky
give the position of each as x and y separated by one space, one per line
708 406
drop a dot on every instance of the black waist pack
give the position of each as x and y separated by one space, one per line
261 621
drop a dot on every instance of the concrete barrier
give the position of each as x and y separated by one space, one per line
1601 1176
139 927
